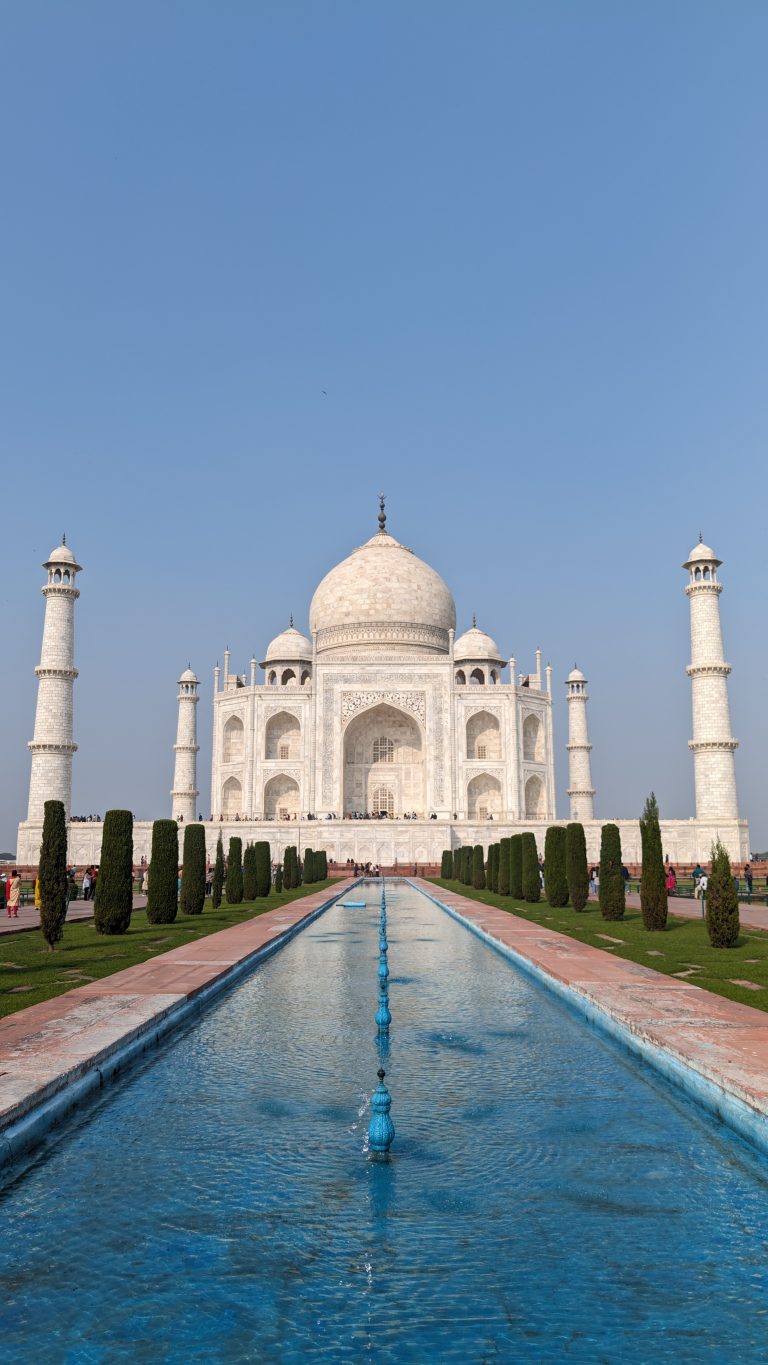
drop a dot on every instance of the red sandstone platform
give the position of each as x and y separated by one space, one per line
723 1041
46 1047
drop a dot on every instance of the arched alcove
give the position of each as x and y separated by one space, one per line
283 737
477 676
483 737
461 677
383 748
281 797
288 677
234 739
484 797
534 798
533 740
231 798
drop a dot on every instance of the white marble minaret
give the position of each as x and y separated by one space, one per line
712 742
185 793
52 747
580 788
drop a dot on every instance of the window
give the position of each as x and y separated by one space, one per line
383 801
383 751
284 750
482 812
482 750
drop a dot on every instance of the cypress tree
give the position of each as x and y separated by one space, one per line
278 879
722 901
503 887
531 879
52 873
249 873
193 869
611 880
653 883
555 877
446 866
217 885
263 869
162 899
289 869
576 865
478 868
493 863
516 867
233 886
468 866
113 901
309 866
324 866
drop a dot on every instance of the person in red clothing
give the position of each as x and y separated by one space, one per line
14 894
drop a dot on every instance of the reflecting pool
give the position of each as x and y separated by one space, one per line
545 1199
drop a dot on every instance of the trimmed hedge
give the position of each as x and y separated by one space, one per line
278 879
193 871
516 866
323 871
611 881
52 873
263 868
503 887
233 886
162 899
478 868
249 873
113 901
446 865
576 865
555 876
653 882
722 901
531 878
217 885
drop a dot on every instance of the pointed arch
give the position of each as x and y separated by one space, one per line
234 740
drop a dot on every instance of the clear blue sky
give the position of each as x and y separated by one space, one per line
523 249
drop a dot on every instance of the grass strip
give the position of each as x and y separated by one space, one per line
30 973
681 950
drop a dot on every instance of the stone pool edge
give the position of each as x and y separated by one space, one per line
25 1122
715 1092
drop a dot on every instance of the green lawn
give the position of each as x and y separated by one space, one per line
683 947
29 972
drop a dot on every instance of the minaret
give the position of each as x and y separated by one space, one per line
184 795
712 743
580 789
52 747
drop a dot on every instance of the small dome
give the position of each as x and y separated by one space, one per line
701 554
576 675
475 644
188 676
61 555
288 647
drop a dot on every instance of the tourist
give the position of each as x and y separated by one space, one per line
748 880
593 881
145 882
701 890
671 882
698 873
14 893
87 884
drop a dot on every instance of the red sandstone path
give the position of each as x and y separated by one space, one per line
46 1047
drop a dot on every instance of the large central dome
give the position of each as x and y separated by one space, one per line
382 595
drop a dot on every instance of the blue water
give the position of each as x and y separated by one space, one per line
546 1200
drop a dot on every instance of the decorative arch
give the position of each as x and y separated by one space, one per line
483 737
283 738
234 741
533 739
384 747
305 677
288 676
461 678
272 678
477 677
534 798
383 801
231 798
281 797
484 797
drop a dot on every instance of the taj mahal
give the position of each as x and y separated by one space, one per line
384 736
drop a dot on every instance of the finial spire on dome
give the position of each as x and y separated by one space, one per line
474 621
290 621
64 538
382 514
701 537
